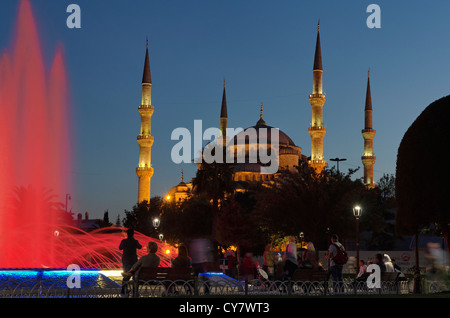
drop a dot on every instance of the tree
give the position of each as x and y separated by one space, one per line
141 216
105 222
302 201
214 181
118 222
188 220
422 174
237 225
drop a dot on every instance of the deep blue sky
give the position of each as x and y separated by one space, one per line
265 51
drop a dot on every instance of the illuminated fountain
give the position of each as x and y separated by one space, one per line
35 164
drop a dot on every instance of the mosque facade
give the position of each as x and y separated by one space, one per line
289 154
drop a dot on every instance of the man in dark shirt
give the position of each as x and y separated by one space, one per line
379 262
129 246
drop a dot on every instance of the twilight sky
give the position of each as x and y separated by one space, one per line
265 51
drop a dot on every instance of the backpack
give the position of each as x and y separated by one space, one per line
341 255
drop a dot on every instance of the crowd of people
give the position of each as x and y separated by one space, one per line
274 266
384 261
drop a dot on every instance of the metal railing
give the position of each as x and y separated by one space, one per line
205 287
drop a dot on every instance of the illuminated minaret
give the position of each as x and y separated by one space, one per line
317 100
144 171
368 159
223 117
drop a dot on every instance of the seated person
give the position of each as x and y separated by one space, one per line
182 260
310 258
149 260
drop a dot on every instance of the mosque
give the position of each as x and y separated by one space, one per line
244 173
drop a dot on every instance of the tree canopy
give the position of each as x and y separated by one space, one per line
422 174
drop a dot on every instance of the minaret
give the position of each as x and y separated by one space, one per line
317 100
368 159
223 117
144 171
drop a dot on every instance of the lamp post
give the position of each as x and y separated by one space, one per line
357 211
302 236
338 160
68 197
156 222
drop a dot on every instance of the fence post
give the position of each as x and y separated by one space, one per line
246 286
196 285
289 286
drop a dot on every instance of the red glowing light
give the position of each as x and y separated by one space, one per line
35 163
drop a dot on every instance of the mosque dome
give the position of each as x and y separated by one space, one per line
257 137
283 138
179 192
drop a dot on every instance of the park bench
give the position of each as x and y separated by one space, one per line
390 280
311 280
310 275
166 277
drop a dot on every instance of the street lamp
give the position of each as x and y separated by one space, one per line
156 222
302 236
357 211
338 160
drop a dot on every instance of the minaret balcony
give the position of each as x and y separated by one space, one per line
317 100
144 172
368 160
317 96
368 133
317 131
146 110
145 141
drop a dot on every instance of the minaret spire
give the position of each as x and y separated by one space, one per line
318 53
368 96
146 76
144 171
317 100
223 115
261 121
368 159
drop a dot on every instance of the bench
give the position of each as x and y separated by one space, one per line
310 275
167 277
311 280
388 280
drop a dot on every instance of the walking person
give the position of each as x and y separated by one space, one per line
337 258
269 261
291 262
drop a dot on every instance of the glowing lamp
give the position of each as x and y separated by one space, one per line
156 222
357 211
